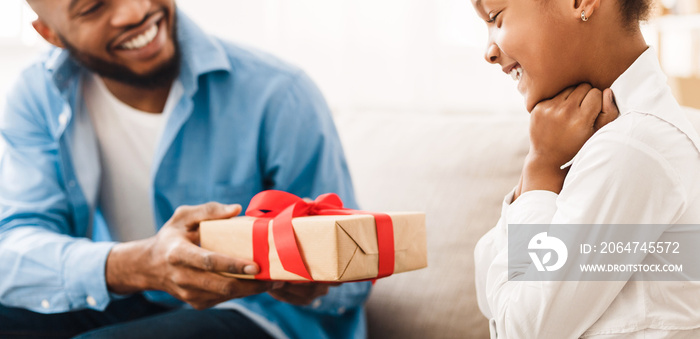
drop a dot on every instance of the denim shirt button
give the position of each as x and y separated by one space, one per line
316 304
45 304
91 301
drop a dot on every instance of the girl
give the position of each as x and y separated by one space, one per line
640 169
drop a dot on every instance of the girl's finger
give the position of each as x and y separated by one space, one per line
609 112
580 93
591 106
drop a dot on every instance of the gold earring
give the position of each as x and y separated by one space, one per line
584 18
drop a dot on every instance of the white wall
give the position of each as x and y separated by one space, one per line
371 55
387 55
19 44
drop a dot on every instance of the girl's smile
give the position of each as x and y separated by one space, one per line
535 44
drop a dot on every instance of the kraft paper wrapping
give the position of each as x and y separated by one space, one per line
334 247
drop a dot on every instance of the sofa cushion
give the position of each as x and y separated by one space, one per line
456 169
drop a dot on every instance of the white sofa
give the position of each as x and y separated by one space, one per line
455 168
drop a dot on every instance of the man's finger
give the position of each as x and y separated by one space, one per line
193 256
190 216
306 291
200 298
609 112
231 287
212 286
249 287
189 294
287 297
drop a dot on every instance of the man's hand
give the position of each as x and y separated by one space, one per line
172 261
300 293
558 129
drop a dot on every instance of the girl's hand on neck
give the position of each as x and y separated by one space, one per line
559 127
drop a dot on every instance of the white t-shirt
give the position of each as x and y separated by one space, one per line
127 140
641 169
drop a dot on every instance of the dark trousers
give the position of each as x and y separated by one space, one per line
134 317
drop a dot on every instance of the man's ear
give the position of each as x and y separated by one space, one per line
587 6
47 33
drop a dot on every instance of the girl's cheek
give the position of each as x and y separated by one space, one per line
508 41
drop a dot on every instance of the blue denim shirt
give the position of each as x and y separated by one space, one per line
246 122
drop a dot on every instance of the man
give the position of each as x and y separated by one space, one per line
138 119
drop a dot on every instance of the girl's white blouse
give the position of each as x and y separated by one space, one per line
643 168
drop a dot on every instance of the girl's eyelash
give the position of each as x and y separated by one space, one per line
493 19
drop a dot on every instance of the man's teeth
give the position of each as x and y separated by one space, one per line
516 73
141 40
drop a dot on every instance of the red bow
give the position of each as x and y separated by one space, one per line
282 207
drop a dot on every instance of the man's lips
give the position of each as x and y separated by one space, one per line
133 33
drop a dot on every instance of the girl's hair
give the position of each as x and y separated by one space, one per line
634 11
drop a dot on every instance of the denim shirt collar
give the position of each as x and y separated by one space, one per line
200 53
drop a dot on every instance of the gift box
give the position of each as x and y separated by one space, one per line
324 242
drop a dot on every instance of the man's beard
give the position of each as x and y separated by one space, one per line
160 77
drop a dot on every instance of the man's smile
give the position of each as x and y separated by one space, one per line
144 42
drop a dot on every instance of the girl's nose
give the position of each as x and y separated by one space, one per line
493 53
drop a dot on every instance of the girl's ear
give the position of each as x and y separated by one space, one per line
47 33
585 9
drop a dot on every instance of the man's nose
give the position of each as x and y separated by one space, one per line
130 12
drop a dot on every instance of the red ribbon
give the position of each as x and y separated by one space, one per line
282 207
